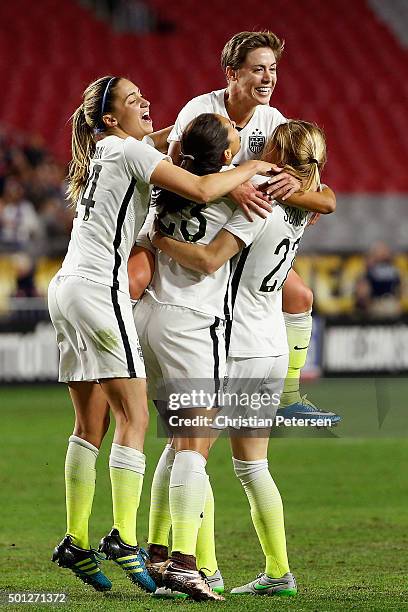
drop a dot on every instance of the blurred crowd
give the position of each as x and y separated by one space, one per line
378 290
35 219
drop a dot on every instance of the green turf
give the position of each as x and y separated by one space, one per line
345 507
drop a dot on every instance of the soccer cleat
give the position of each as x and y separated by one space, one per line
132 559
191 582
264 585
156 571
304 409
83 562
215 582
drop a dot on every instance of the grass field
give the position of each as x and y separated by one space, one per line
345 507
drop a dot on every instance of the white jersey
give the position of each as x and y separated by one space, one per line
110 211
257 277
253 136
197 224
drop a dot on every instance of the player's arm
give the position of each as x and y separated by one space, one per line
204 189
204 258
160 139
323 202
140 271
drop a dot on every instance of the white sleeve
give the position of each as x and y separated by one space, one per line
141 158
142 239
189 112
246 230
277 119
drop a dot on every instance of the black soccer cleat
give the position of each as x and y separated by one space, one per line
83 562
132 559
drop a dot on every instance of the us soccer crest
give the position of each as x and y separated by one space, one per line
256 141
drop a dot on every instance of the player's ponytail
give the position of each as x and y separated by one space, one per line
83 147
300 148
87 122
203 143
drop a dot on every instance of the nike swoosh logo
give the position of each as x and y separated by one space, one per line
261 587
300 348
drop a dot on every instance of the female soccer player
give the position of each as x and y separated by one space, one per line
178 322
258 348
110 180
250 61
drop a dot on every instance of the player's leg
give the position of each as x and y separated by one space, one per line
297 307
159 510
249 450
159 513
128 401
187 345
297 302
109 352
91 424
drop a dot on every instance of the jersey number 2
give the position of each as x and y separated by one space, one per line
283 246
195 213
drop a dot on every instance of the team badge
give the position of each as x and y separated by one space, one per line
256 141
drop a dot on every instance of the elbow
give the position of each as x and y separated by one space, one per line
329 207
207 265
329 204
203 196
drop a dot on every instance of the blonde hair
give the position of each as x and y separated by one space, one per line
300 148
87 121
236 50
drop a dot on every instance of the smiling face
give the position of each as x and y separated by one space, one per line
130 114
255 80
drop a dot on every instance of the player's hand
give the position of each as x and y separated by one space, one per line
313 218
281 186
251 200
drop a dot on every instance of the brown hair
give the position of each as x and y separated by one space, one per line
300 148
87 120
203 143
235 51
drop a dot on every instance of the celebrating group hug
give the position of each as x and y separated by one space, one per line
178 277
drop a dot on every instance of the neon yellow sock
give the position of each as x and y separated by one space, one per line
127 467
187 494
79 488
299 331
159 514
205 551
266 512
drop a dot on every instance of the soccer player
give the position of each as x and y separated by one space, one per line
257 344
110 180
178 323
249 61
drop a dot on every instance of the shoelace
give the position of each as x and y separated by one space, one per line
97 556
203 575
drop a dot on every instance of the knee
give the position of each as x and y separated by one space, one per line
198 445
93 436
133 419
299 299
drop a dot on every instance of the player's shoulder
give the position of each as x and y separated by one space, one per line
207 102
270 114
